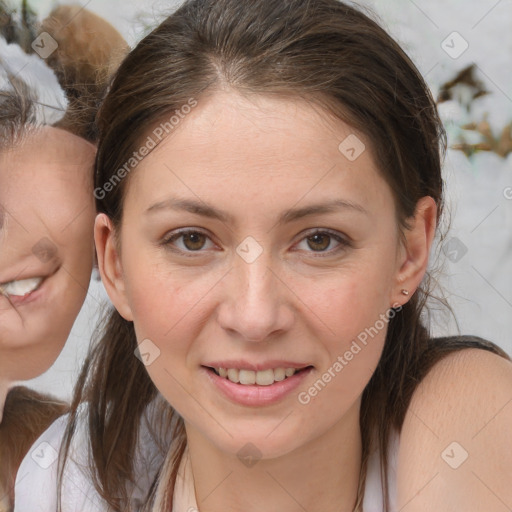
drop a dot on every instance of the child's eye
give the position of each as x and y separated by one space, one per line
192 240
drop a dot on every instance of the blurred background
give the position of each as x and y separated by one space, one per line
464 50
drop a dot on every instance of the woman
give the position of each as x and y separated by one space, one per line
269 185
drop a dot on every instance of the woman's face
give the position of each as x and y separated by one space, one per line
46 247
220 267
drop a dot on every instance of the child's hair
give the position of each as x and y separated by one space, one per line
26 415
17 113
329 54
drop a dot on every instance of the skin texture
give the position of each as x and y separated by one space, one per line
455 445
47 231
255 157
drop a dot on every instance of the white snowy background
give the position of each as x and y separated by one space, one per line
476 257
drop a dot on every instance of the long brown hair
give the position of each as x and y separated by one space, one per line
327 53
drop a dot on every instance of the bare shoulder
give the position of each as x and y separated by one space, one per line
456 445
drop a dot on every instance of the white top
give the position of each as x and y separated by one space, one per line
36 481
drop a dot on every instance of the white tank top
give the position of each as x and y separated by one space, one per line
36 481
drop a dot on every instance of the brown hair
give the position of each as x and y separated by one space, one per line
17 113
330 54
27 414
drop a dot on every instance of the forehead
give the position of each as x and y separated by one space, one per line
274 128
46 175
45 154
48 144
256 145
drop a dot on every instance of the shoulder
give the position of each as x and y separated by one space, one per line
454 451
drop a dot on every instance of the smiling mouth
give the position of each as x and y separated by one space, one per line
22 287
261 377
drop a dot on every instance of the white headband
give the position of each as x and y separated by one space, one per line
50 98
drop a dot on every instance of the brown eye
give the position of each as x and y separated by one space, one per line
325 243
194 241
187 241
319 241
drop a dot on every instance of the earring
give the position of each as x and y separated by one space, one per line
405 292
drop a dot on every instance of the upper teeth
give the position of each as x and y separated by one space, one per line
20 288
262 378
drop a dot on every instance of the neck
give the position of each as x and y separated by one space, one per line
321 475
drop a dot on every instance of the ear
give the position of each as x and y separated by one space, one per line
109 265
415 249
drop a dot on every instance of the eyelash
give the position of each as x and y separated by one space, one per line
344 243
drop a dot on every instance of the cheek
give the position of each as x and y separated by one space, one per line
35 339
164 301
76 240
51 324
167 312
355 316
352 298
354 311
359 317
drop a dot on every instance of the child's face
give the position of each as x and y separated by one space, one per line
46 247
253 291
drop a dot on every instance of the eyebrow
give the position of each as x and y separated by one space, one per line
293 214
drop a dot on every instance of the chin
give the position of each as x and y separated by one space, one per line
259 443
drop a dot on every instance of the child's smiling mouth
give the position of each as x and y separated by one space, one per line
27 288
22 287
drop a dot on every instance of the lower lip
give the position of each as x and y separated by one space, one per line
22 300
255 395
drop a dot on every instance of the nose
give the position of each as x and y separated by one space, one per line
256 305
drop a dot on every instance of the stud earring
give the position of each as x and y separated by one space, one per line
405 292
